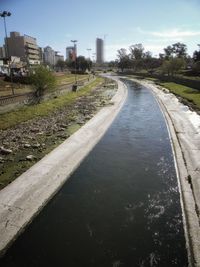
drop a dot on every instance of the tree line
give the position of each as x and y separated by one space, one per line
82 64
170 62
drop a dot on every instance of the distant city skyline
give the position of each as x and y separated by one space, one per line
156 24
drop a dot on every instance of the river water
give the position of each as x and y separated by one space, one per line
121 207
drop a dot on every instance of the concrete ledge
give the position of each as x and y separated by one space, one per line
27 195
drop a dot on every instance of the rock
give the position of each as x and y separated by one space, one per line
36 145
30 157
34 130
87 117
63 125
1 160
80 122
40 133
64 136
5 151
61 129
27 145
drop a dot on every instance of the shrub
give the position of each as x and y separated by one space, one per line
43 80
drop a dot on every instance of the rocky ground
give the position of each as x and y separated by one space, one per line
23 145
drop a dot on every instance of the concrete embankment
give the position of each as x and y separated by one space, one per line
24 198
184 128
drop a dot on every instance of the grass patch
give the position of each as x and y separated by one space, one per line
69 78
188 93
29 112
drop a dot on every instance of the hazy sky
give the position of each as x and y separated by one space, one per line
154 23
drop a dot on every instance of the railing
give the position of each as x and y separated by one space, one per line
19 98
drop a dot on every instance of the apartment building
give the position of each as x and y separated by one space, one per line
25 47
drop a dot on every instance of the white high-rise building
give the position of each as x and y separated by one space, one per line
99 51
49 56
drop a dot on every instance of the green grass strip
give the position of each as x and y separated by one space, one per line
188 93
29 112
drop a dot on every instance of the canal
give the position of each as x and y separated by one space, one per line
121 207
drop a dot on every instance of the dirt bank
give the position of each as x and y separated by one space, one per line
25 144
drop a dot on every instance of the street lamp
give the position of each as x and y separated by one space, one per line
74 54
5 14
89 49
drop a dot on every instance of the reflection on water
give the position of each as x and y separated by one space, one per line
120 208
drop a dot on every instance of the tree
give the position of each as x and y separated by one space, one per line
173 65
60 64
180 50
137 51
112 63
196 67
123 59
137 56
150 62
168 52
83 64
42 79
196 55
176 50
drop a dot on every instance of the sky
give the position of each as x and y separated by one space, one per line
121 23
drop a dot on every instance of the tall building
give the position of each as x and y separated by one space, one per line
49 56
71 52
99 51
25 47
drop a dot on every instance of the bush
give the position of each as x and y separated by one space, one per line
196 67
43 80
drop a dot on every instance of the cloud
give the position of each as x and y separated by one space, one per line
111 50
173 33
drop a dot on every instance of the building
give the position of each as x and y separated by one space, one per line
99 51
41 55
2 52
58 57
49 56
25 47
71 52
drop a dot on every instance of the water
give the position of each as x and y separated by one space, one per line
122 205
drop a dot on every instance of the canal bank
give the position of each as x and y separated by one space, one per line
22 200
184 129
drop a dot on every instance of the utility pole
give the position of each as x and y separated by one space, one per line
74 55
104 41
89 49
